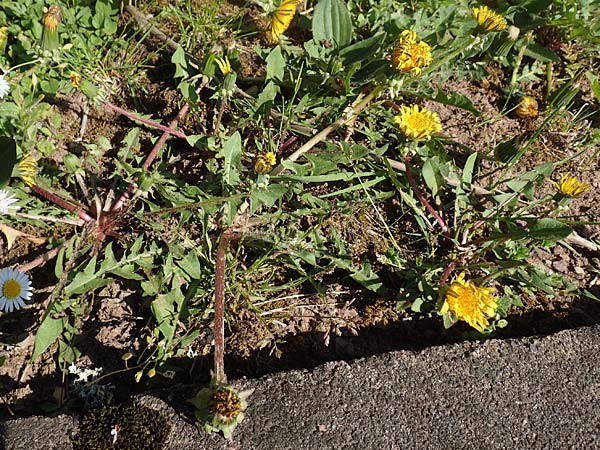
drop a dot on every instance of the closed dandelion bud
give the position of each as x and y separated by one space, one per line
50 23
264 162
151 373
75 79
527 107
3 39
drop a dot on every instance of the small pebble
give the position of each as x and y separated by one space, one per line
579 270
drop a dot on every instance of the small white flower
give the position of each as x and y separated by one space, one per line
6 202
4 87
14 288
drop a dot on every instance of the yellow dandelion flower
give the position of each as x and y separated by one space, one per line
409 55
281 19
488 19
75 79
527 107
570 186
27 169
417 124
264 162
470 303
223 64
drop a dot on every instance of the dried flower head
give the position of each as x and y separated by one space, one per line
570 186
470 303
26 169
281 19
223 64
220 408
488 19
4 87
15 287
75 79
527 107
50 21
264 161
418 124
7 202
409 55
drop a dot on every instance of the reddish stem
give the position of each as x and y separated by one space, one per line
150 159
60 202
150 123
227 236
421 197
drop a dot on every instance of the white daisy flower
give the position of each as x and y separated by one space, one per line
6 202
14 288
4 87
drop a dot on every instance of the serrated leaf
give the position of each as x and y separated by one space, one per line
179 58
332 23
454 99
232 153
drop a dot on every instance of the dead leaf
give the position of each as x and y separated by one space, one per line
12 234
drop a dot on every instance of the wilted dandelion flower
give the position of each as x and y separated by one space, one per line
470 303
570 186
527 107
4 87
409 55
7 201
14 288
50 21
417 124
264 161
488 19
281 19
75 79
223 64
26 169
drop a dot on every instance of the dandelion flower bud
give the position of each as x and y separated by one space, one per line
527 107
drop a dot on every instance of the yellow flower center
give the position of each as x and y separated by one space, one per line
11 289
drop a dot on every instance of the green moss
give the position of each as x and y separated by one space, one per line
137 428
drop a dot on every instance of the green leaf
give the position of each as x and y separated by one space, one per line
467 177
275 64
543 54
266 97
595 85
332 23
190 265
49 330
166 309
454 99
232 152
8 156
549 230
431 175
506 151
361 50
179 58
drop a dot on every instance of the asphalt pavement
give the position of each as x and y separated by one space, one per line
530 393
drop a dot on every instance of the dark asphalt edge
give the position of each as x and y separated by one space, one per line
529 393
